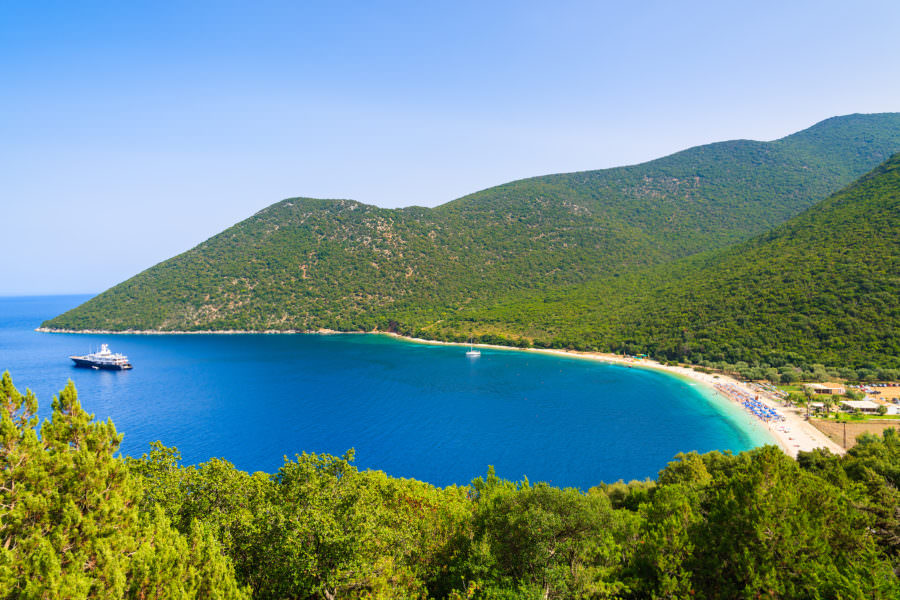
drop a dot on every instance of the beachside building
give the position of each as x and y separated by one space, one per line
832 389
864 406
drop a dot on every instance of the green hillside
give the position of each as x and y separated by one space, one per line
308 264
821 288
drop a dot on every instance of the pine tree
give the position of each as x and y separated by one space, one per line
70 525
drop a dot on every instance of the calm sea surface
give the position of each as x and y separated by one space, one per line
412 410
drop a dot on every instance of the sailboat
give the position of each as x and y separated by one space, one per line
472 352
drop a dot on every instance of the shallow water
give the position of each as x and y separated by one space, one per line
413 410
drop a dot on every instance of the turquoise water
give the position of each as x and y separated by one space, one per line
413 410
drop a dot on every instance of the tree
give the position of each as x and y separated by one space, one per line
232 504
666 542
687 468
71 526
854 394
772 530
547 541
789 376
325 529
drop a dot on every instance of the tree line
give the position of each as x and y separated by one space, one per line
79 521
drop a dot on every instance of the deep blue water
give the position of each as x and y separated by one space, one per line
409 409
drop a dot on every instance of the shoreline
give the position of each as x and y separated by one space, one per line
197 332
793 435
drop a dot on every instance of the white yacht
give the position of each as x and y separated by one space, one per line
103 360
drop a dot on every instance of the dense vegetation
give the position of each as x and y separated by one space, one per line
821 288
73 519
79 522
309 264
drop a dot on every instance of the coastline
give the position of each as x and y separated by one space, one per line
197 332
793 435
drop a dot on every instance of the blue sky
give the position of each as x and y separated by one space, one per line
132 131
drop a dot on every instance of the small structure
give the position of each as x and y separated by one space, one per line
864 406
832 389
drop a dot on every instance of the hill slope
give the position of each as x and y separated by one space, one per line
307 264
821 288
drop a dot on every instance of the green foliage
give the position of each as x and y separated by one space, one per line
78 522
536 537
819 289
70 527
637 259
326 534
772 530
318 528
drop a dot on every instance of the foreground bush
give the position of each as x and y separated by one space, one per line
70 526
79 522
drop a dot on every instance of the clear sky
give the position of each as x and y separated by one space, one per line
131 131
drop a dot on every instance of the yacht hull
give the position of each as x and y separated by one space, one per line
90 364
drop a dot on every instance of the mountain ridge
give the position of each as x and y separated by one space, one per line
308 264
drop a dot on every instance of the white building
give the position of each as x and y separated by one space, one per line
863 406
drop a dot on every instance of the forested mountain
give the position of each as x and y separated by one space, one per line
821 288
81 522
308 264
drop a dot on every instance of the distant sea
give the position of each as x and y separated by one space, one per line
412 410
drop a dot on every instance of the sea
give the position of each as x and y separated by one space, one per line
410 409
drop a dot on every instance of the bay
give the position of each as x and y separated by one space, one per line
412 410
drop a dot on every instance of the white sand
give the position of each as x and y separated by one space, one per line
794 434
